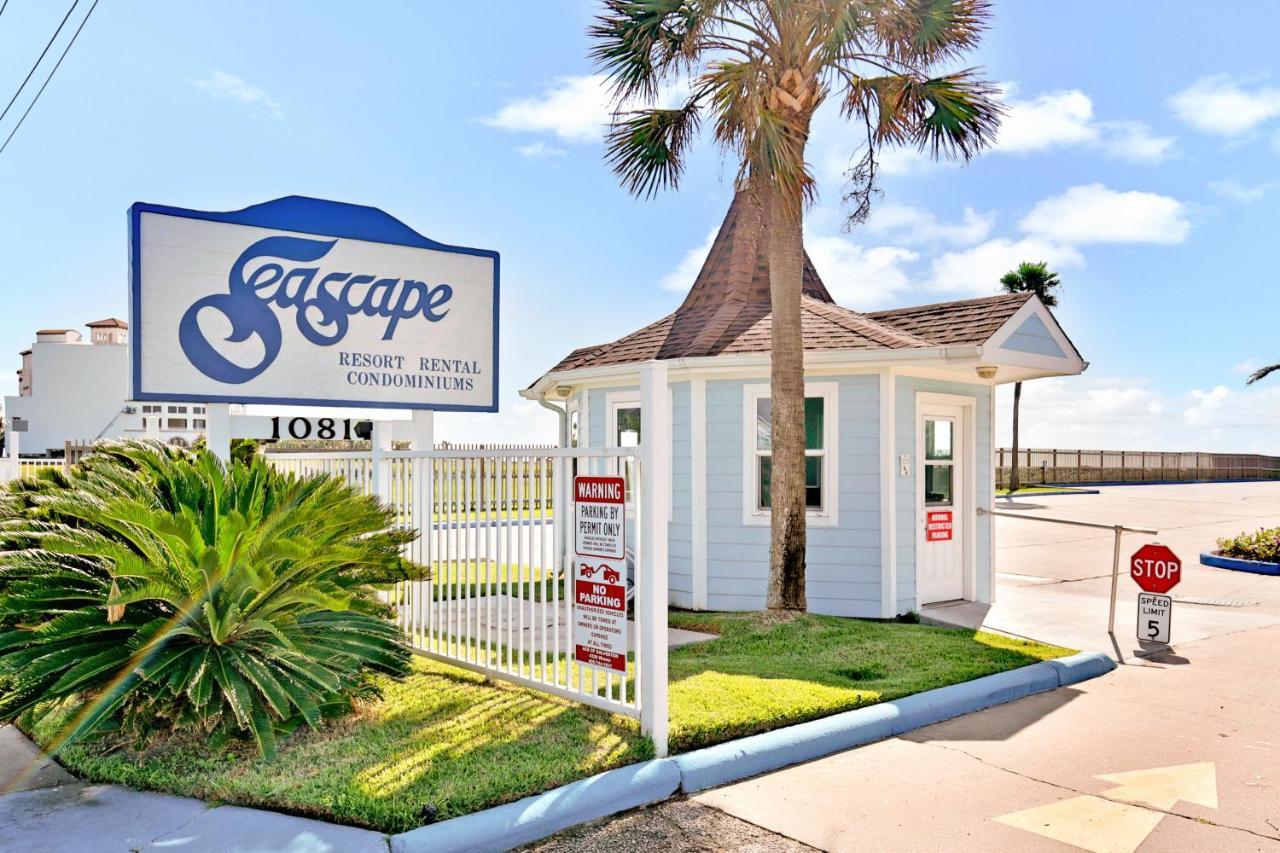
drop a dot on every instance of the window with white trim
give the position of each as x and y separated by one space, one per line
624 431
820 417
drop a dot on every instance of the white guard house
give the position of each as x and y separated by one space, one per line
899 431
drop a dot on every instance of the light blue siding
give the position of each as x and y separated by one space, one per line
843 563
905 442
680 536
1033 336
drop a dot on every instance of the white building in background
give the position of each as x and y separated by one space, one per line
70 389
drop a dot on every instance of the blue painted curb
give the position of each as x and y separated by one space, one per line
536 817
527 820
1236 564
751 756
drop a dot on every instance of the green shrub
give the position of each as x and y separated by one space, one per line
1263 546
167 593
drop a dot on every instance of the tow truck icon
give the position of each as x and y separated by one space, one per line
609 575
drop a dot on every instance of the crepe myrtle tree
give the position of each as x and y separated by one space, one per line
759 70
1027 278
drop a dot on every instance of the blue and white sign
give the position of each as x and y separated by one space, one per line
301 301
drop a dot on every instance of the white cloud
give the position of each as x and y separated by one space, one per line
1051 120
1093 213
681 278
858 277
1135 142
1065 118
220 84
1224 105
976 271
540 150
1125 413
1240 192
575 109
913 225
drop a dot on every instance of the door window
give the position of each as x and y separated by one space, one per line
939 468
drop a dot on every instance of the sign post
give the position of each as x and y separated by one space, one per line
1155 569
600 573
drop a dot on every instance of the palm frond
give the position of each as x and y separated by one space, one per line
645 148
1262 373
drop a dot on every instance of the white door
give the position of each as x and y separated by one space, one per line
940 567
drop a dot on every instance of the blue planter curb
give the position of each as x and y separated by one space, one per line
1238 565
751 756
532 818
536 817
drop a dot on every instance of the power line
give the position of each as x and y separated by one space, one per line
3 6
58 64
27 79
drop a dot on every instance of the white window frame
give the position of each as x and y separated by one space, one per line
829 514
615 400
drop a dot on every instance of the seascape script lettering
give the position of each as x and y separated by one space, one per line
323 304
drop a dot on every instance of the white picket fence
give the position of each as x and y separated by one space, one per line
494 527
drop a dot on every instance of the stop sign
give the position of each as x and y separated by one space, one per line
1155 568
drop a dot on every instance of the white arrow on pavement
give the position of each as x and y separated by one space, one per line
1101 825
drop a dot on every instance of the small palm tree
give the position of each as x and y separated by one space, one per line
1027 278
1262 373
165 591
760 69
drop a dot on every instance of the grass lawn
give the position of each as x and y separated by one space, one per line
763 673
446 738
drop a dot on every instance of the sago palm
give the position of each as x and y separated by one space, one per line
1027 278
760 69
164 591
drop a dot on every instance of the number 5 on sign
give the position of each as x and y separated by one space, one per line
1154 615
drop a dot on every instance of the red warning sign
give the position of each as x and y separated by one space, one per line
938 525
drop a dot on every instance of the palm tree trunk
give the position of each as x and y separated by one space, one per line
786 272
1013 471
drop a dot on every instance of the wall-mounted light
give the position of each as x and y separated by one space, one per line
986 371
563 391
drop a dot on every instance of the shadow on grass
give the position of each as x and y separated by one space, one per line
765 672
442 741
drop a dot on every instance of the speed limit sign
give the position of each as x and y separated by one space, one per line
1155 612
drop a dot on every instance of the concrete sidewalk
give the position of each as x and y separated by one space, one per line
43 809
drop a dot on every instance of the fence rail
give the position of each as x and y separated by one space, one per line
1067 466
498 599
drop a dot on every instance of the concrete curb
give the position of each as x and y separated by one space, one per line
527 820
751 756
1236 564
1047 493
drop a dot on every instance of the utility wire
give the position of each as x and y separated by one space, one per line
27 79
57 65
3 6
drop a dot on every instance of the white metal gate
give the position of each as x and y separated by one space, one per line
494 529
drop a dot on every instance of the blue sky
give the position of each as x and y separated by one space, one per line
1141 158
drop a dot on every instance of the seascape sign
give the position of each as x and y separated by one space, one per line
309 302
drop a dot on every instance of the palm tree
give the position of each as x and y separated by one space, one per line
760 69
1027 278
1262 373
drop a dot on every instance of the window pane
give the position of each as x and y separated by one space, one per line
813 415
937 485
628 427
765 468
937 439
813 482
764 423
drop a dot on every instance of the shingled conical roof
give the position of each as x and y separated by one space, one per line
727 310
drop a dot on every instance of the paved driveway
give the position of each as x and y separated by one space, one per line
1054 581
1176 751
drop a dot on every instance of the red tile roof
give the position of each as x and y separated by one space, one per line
110 322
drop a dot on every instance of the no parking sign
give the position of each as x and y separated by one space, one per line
600 573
